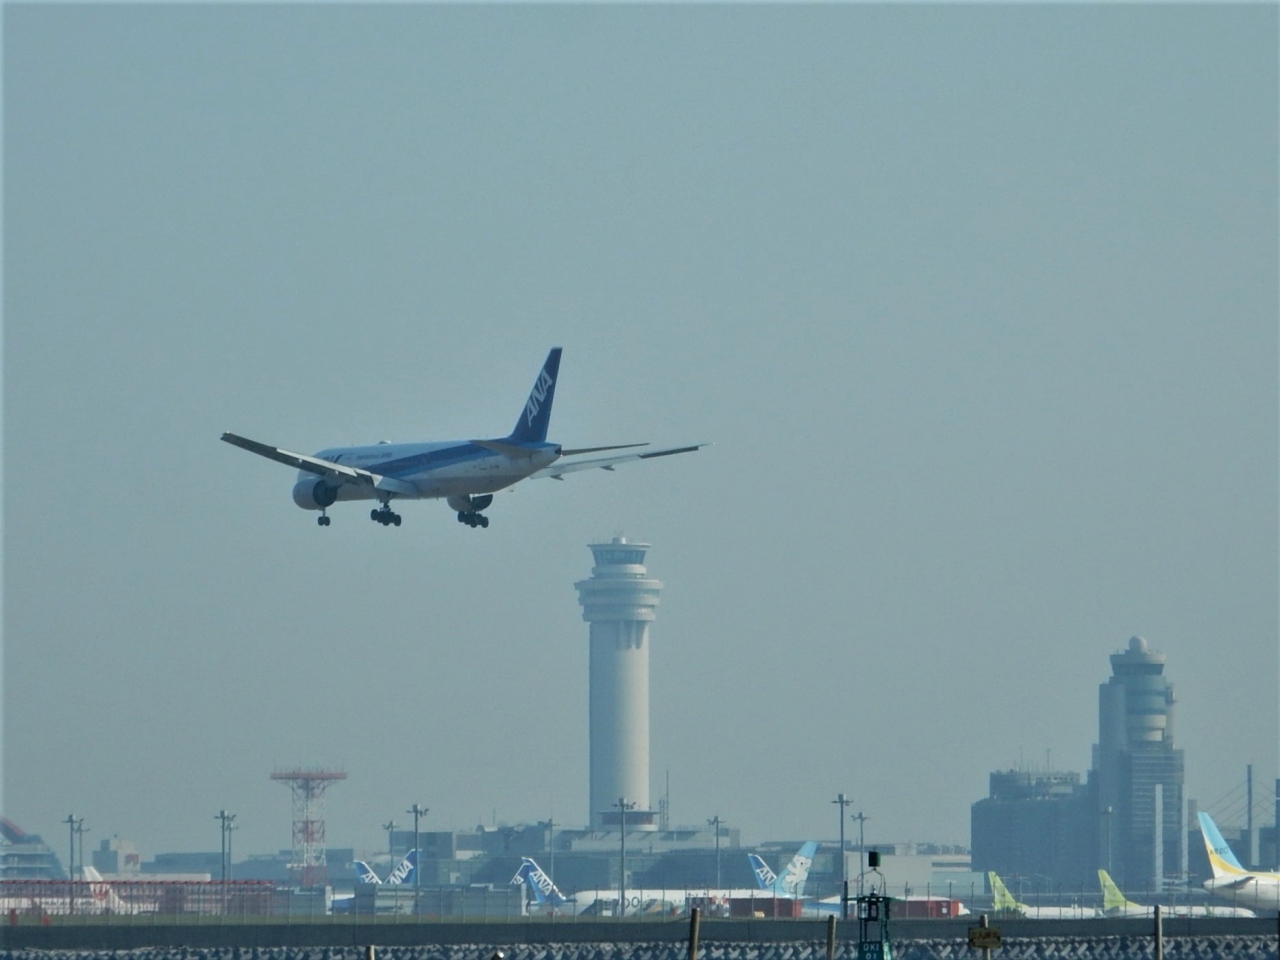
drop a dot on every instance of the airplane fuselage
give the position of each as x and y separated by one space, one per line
432 470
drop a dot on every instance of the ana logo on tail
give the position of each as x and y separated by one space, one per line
365 873
404 872
539 884
765 878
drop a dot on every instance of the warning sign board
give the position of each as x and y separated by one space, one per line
984 938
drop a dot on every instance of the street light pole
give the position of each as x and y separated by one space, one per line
417 812
390 827
71 822
861 818
715 822
844 870
623 806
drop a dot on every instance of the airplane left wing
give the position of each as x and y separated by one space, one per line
336 472
561 467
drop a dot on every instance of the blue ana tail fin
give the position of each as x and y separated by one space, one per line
765 878
1222 860
544 891
796 873
532 425
404 872
365 873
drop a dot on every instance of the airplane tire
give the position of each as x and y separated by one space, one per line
395 518
484 521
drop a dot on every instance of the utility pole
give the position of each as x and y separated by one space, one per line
861 818
623 806
390 827
80 829
417 812
225 819
551 847
714 823
71 822
844 870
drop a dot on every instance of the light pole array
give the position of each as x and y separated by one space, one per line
417 812
226 820
390 827
623 806
861 818
714 823
72 823
844 870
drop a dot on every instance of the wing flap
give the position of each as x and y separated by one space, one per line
336 472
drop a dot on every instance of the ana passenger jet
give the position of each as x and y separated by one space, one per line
466 473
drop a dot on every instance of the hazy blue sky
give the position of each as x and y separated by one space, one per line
977 303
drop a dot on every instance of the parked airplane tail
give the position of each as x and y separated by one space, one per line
544 891
532 425
1002 899
796 873
1222 861
1112 899
104 895
765 878
365 874
404 872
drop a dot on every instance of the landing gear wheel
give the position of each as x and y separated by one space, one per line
395 518
322 520
373 515
484 521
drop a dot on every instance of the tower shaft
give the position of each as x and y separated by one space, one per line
618 601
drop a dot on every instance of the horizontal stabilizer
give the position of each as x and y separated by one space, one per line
561 467
616 446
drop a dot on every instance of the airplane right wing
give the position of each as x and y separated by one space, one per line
561 467
335 472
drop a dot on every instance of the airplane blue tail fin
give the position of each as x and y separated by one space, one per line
796 873
365 873
404 872
532 425
540 886
765 878
1222 861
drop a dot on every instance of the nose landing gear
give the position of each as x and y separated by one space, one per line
473 519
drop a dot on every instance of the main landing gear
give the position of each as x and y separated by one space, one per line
473 519
384 516
323 519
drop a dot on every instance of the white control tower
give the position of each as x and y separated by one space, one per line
619 601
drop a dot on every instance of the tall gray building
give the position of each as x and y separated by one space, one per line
1138 772
618 601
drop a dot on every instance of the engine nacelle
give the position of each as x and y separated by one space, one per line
314 494
471 504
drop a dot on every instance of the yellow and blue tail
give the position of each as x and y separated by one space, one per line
1222 861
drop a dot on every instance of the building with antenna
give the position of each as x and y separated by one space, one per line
618 601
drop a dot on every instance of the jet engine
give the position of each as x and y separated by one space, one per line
314 494
471 504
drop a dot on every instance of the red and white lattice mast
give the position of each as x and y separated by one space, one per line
309 786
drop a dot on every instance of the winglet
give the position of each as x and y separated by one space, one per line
532 425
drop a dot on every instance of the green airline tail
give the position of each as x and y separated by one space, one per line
1112 898
1003 899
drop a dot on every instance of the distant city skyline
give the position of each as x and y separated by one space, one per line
977 305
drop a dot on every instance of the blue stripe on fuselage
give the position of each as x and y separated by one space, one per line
405 467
